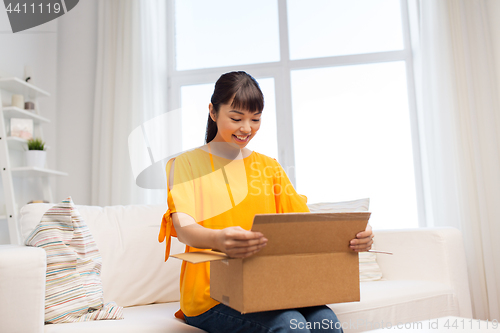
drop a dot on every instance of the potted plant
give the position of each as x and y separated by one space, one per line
36 154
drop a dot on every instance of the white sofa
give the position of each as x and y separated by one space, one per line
425 278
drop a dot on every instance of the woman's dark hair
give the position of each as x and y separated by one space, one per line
246 92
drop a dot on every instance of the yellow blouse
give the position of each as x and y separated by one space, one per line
220 193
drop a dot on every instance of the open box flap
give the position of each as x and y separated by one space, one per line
301 233
297 233
201 256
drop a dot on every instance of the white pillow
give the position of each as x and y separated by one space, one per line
369 269
73 290
360 205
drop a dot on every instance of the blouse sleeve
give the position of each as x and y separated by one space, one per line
180 199
286 198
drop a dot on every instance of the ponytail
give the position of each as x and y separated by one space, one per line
211 130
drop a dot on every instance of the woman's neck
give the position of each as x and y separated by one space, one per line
225 150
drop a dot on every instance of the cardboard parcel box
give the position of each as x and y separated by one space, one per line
306 262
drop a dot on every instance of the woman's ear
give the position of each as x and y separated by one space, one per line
212 112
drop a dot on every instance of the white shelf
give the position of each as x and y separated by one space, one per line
15 112
15 85
35 172
17 143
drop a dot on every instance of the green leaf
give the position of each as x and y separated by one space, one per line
36 144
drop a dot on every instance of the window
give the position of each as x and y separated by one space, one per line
219 33
324 28
338 85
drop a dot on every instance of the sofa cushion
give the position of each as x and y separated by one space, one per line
134 271
154 318
394 301
73 289
397 301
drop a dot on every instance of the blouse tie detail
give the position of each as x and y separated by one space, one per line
166 229
166 232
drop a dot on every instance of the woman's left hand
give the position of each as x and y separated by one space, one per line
363 240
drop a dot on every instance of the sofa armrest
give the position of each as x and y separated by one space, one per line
22 289
434 254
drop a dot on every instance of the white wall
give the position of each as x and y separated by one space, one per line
77 49
36 47
62 55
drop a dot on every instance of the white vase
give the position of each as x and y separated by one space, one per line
36 158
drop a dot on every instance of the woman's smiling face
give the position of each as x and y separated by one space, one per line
234 126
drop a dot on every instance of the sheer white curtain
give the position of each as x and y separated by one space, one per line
130 90
459 119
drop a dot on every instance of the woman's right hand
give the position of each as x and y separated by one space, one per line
237 242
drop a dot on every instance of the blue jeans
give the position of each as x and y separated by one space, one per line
222 318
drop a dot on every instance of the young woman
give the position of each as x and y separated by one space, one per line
214 192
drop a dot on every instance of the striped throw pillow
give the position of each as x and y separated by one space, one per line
369 269
73 290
